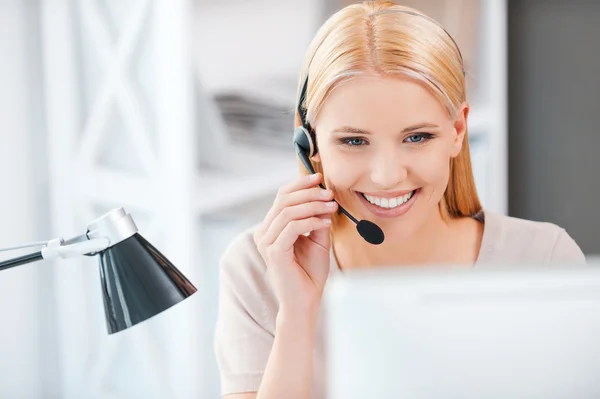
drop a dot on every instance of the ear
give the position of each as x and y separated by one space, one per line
317 156
460 129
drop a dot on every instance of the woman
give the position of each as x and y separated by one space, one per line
386 100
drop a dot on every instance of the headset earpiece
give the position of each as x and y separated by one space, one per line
303 144
305 140
304 136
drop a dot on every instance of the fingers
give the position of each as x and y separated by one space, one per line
301 199
303 189
295 213
321 237
304 181
285 241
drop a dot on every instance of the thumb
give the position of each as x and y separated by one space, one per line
322 237
318 268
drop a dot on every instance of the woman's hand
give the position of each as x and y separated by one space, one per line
297 263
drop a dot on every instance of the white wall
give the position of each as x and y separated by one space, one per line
27 331
244 44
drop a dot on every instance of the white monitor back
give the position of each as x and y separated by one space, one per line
498 333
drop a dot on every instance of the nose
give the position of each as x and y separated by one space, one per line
388 168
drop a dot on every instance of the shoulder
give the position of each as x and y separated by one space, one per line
241 261
242 253
243 273
508 238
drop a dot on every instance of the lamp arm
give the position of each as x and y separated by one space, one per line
60 248
31 245
72 240
21 260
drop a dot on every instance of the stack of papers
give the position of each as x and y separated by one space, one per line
256 121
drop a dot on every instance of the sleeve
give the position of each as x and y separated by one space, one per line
566 250
242 342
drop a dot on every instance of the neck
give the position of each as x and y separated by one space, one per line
430 243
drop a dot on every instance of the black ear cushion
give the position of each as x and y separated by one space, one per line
303 155
305 140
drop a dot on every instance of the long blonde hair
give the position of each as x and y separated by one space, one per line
380 37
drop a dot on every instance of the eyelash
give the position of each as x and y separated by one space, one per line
425 137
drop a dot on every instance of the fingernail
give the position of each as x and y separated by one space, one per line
327 221
313 177
325 193
331 205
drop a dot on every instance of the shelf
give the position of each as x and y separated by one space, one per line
257 172
254 173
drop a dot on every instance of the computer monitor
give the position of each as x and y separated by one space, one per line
513 332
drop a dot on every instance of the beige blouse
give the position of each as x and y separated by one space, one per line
248 306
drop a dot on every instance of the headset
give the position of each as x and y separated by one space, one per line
305 143
306 147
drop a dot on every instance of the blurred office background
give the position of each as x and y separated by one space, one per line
179 111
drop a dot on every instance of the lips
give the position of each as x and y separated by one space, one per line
383 209
389 202
388 194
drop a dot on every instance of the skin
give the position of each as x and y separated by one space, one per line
386 160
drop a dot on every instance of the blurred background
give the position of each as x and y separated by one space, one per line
180 112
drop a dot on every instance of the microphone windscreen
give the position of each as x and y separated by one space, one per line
370 232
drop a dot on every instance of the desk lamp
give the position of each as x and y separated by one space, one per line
138 282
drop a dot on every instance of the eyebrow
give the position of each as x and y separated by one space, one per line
355 130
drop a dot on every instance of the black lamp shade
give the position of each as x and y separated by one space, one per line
138 282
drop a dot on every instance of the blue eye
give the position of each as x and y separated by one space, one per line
353 141
420 138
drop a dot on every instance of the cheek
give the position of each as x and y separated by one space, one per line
433 168
341 172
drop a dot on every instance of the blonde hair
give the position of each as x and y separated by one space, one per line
380 37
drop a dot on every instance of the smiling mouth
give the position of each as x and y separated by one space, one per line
389 203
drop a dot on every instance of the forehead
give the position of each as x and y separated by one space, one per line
378 102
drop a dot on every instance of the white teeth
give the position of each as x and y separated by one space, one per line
389 203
